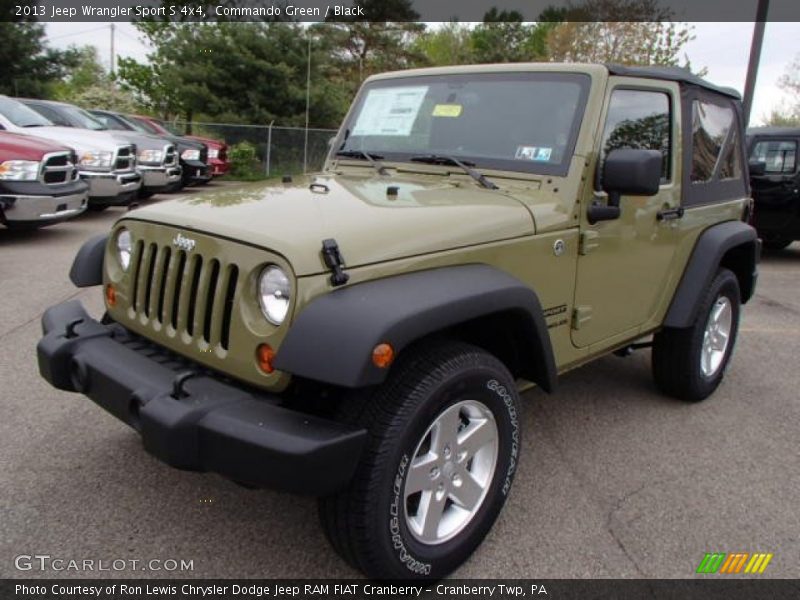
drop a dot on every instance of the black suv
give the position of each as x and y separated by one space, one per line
775 183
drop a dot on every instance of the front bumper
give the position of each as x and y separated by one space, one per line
156 179
18 207
195 171
112 188
201 424
218 167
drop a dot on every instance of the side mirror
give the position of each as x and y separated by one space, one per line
627 172
757 168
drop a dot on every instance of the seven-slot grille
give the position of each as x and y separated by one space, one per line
184 291
170 156
126 158
59 168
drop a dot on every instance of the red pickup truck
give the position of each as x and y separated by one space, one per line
217 150
39 183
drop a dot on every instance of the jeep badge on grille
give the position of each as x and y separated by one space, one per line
184 243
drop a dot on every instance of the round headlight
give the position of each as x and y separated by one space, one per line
124 248
274 294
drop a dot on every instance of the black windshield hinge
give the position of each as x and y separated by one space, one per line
334 261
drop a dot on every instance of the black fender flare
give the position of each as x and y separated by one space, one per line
331 340
87 268
708 255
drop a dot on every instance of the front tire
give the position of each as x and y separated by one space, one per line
690 363
443 446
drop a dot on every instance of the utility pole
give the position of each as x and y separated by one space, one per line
111 57
308 104
755 57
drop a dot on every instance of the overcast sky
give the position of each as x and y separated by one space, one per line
723 48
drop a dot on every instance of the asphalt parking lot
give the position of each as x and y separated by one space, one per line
615 480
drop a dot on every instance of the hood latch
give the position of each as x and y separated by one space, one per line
334 261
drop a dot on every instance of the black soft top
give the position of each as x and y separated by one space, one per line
792 131
678 74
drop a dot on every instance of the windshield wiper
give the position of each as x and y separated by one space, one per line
34 125
374 159
438 159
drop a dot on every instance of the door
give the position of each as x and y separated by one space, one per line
623 263
777 191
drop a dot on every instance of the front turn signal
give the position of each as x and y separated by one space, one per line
111 295
264 356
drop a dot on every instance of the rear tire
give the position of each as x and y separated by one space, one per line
439 461
690 363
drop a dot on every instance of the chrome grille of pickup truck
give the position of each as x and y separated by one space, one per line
58 168
192 294
125 159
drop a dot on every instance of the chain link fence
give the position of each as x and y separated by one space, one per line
280 150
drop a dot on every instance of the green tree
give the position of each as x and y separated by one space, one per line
503 37
85 73
383 41
236 72
29 67
634 32
450 44
787 114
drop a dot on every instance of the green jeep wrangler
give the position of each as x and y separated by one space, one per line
363 335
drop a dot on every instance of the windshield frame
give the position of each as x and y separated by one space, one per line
584 81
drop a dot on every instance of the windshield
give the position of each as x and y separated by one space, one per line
20 115
81 118
508 121
143 125
111 121
172 128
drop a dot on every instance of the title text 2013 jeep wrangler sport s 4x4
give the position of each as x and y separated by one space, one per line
360 335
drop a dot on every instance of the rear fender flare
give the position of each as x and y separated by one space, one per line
734 245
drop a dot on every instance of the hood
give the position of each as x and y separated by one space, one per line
79 139
211 143
183 143
143 141
22 147
428 215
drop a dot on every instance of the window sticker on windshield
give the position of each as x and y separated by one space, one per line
535 153
390 111
447 110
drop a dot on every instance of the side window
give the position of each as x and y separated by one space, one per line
712 130
780 156
639 119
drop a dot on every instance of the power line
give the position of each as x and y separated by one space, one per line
63 35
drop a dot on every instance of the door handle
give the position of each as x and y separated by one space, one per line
670 214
